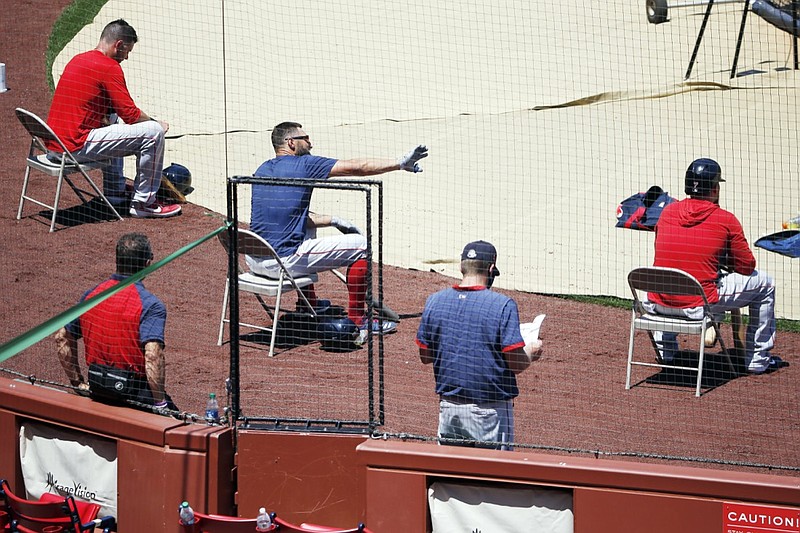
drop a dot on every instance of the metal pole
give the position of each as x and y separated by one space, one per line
233 298
370 310
739 40
380 299
794 40
702 3
699 38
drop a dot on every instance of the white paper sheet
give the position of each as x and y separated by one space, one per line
530 330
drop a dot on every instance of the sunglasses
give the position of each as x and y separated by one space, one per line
298 138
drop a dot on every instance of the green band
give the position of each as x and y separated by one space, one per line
32 336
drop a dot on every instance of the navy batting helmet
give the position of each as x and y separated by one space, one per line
337 333
180 177
702 175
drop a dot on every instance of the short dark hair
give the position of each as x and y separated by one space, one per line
133 253
283 130
475 266
119 30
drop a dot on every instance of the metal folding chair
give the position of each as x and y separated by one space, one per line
62 165
250 243
676 282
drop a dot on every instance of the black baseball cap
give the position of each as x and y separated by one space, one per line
481 251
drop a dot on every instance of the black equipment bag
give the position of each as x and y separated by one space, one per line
114 384
642 210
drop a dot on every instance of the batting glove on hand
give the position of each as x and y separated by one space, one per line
409 161
344 226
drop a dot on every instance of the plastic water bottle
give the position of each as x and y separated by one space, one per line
792 223
263 521
186 514
212 409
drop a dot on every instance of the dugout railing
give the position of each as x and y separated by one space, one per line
372 191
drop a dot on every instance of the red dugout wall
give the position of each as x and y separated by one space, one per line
341 480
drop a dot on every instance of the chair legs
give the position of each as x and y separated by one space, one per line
62 177
24 196
702 356
59 185
709 326
24 191
222 319
99 194
630 355
273 315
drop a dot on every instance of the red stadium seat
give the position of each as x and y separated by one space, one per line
60 514
214 523
86 511
286 527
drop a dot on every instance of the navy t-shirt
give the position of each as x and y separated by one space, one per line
468 329
279 212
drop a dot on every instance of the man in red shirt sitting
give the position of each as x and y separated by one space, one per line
89 97
699 237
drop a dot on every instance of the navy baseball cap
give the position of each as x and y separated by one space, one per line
481 251
702 175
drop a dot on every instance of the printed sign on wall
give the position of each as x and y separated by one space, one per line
69 463
488 508
744 518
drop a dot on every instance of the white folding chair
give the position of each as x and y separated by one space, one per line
62 166
250 243
676 282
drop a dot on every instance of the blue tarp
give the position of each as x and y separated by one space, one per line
783 242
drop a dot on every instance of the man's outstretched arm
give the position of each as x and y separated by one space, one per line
371 167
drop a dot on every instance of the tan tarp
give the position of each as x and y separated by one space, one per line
539 116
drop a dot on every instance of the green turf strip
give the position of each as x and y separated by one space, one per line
74 17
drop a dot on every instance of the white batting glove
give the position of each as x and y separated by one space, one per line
344 226
409 161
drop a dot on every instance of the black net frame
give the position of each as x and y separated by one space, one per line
375 350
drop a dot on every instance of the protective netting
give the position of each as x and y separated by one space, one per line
540 119
119 341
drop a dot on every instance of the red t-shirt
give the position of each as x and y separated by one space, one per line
91 87
115 331
695 236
